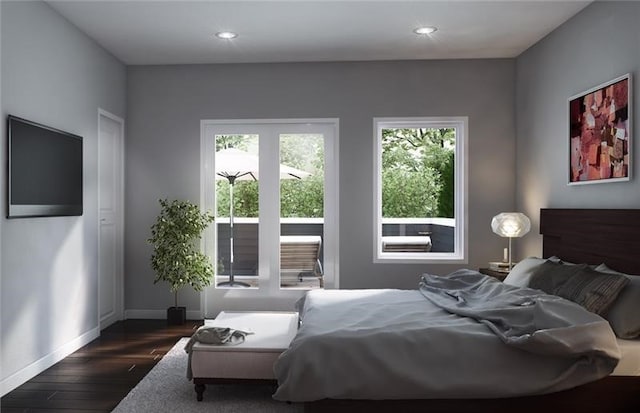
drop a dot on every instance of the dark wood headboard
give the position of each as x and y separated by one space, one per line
593 236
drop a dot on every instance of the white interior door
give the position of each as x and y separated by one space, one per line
110 199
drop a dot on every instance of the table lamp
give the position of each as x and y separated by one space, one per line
511 225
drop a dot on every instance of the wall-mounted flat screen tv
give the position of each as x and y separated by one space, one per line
45 170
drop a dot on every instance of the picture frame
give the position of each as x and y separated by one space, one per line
600 134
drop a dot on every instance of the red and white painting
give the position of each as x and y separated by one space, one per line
599 132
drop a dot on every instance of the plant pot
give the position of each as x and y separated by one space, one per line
176 316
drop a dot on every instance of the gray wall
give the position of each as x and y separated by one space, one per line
52 74
599 44
166 103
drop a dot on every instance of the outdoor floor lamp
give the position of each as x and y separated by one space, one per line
235 165
510 225
232 282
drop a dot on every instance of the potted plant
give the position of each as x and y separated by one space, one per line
176 256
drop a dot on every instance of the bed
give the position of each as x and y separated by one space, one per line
574 236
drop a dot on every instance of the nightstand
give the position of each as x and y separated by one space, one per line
500 275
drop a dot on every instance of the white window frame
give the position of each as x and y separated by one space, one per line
460 255
269 215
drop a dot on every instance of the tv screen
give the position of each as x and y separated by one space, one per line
45 170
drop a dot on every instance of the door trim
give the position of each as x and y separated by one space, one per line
118 314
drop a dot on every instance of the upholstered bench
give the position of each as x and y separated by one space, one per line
251 360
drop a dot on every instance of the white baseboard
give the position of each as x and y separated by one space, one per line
22 376
158 314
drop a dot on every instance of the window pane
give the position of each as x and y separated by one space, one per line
301 210
418 190
236 161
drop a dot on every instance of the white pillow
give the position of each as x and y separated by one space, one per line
521 273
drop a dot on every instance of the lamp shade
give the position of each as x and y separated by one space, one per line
511 224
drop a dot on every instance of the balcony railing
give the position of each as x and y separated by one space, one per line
245 266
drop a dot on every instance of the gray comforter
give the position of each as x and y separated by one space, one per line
461 336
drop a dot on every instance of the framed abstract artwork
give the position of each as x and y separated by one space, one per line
600 133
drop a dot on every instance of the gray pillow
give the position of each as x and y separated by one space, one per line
522 272
624 313
550 276
593 290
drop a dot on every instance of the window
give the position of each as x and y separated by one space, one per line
420 190
273 187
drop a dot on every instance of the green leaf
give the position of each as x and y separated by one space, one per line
175 237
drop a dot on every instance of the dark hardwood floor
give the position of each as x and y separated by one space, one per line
100 374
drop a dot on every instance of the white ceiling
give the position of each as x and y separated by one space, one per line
182 32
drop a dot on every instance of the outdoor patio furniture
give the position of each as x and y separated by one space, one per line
406 243
299 255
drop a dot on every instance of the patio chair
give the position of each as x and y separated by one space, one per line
406 243
299 255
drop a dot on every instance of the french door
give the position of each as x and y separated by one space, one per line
273 187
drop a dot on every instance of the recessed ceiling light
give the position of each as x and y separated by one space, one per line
226 35
425 30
